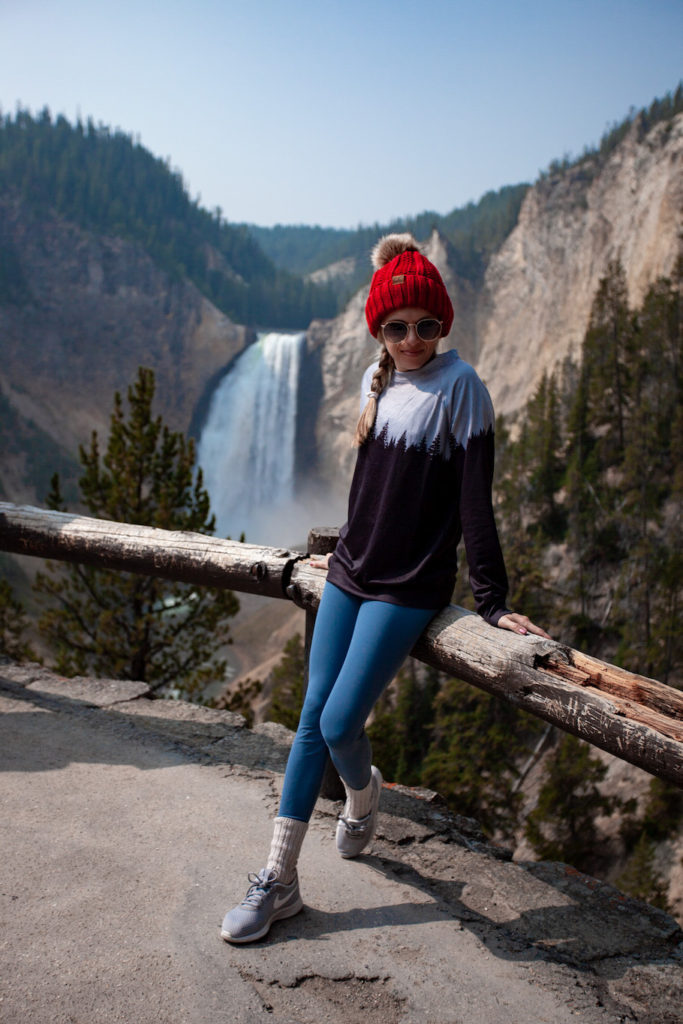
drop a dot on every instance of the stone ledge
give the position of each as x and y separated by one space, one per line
99 693
548 909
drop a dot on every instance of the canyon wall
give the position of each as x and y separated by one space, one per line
86 311
539 287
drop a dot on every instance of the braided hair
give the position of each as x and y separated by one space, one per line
387 249
381 379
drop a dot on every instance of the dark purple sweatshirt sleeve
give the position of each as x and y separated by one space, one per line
488 578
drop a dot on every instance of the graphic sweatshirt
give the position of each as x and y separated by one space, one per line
422 480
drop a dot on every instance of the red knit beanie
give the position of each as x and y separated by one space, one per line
404 277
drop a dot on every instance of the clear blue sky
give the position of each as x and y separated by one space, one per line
339 113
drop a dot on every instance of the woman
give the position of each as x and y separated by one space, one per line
422 479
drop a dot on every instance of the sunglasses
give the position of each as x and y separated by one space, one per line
427 329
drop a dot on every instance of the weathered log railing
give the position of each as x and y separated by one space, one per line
637 719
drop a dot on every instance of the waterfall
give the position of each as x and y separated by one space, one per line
246 449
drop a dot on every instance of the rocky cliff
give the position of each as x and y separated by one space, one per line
533 307
86 312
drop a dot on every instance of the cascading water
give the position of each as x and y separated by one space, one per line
247 446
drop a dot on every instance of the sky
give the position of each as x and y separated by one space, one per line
344 113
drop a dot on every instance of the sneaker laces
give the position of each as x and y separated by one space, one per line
261 885
355 826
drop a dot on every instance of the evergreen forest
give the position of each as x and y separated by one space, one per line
590 485
108 183
125 625
473 232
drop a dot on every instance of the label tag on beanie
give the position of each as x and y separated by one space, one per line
398 279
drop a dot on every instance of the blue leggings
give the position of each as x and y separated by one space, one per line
358 647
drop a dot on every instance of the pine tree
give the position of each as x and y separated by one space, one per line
598 423
241 699
649 513
477 744
608 357
546 468
640 877
124 625
288 684
528 476
584 506
562 825
400 729
13 625
663 811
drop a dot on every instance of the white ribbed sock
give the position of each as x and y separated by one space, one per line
359 801
288 835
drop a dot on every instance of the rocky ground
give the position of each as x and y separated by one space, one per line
129 825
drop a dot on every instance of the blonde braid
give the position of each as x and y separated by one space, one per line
380 380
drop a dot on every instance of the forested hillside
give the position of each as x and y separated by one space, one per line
591 489
474 231
108 183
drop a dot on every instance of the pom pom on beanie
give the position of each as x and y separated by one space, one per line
404 277
391 246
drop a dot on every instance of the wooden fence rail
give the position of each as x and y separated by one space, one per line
635 718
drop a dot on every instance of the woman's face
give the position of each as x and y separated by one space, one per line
412 353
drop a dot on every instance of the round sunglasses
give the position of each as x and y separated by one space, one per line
427 329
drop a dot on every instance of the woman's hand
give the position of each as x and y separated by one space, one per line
521 624
321 561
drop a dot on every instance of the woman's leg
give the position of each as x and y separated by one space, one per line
274 892
382 638
334 628
358 646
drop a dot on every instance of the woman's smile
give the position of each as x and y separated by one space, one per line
412 353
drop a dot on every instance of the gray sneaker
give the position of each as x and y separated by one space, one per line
267 900
354 834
